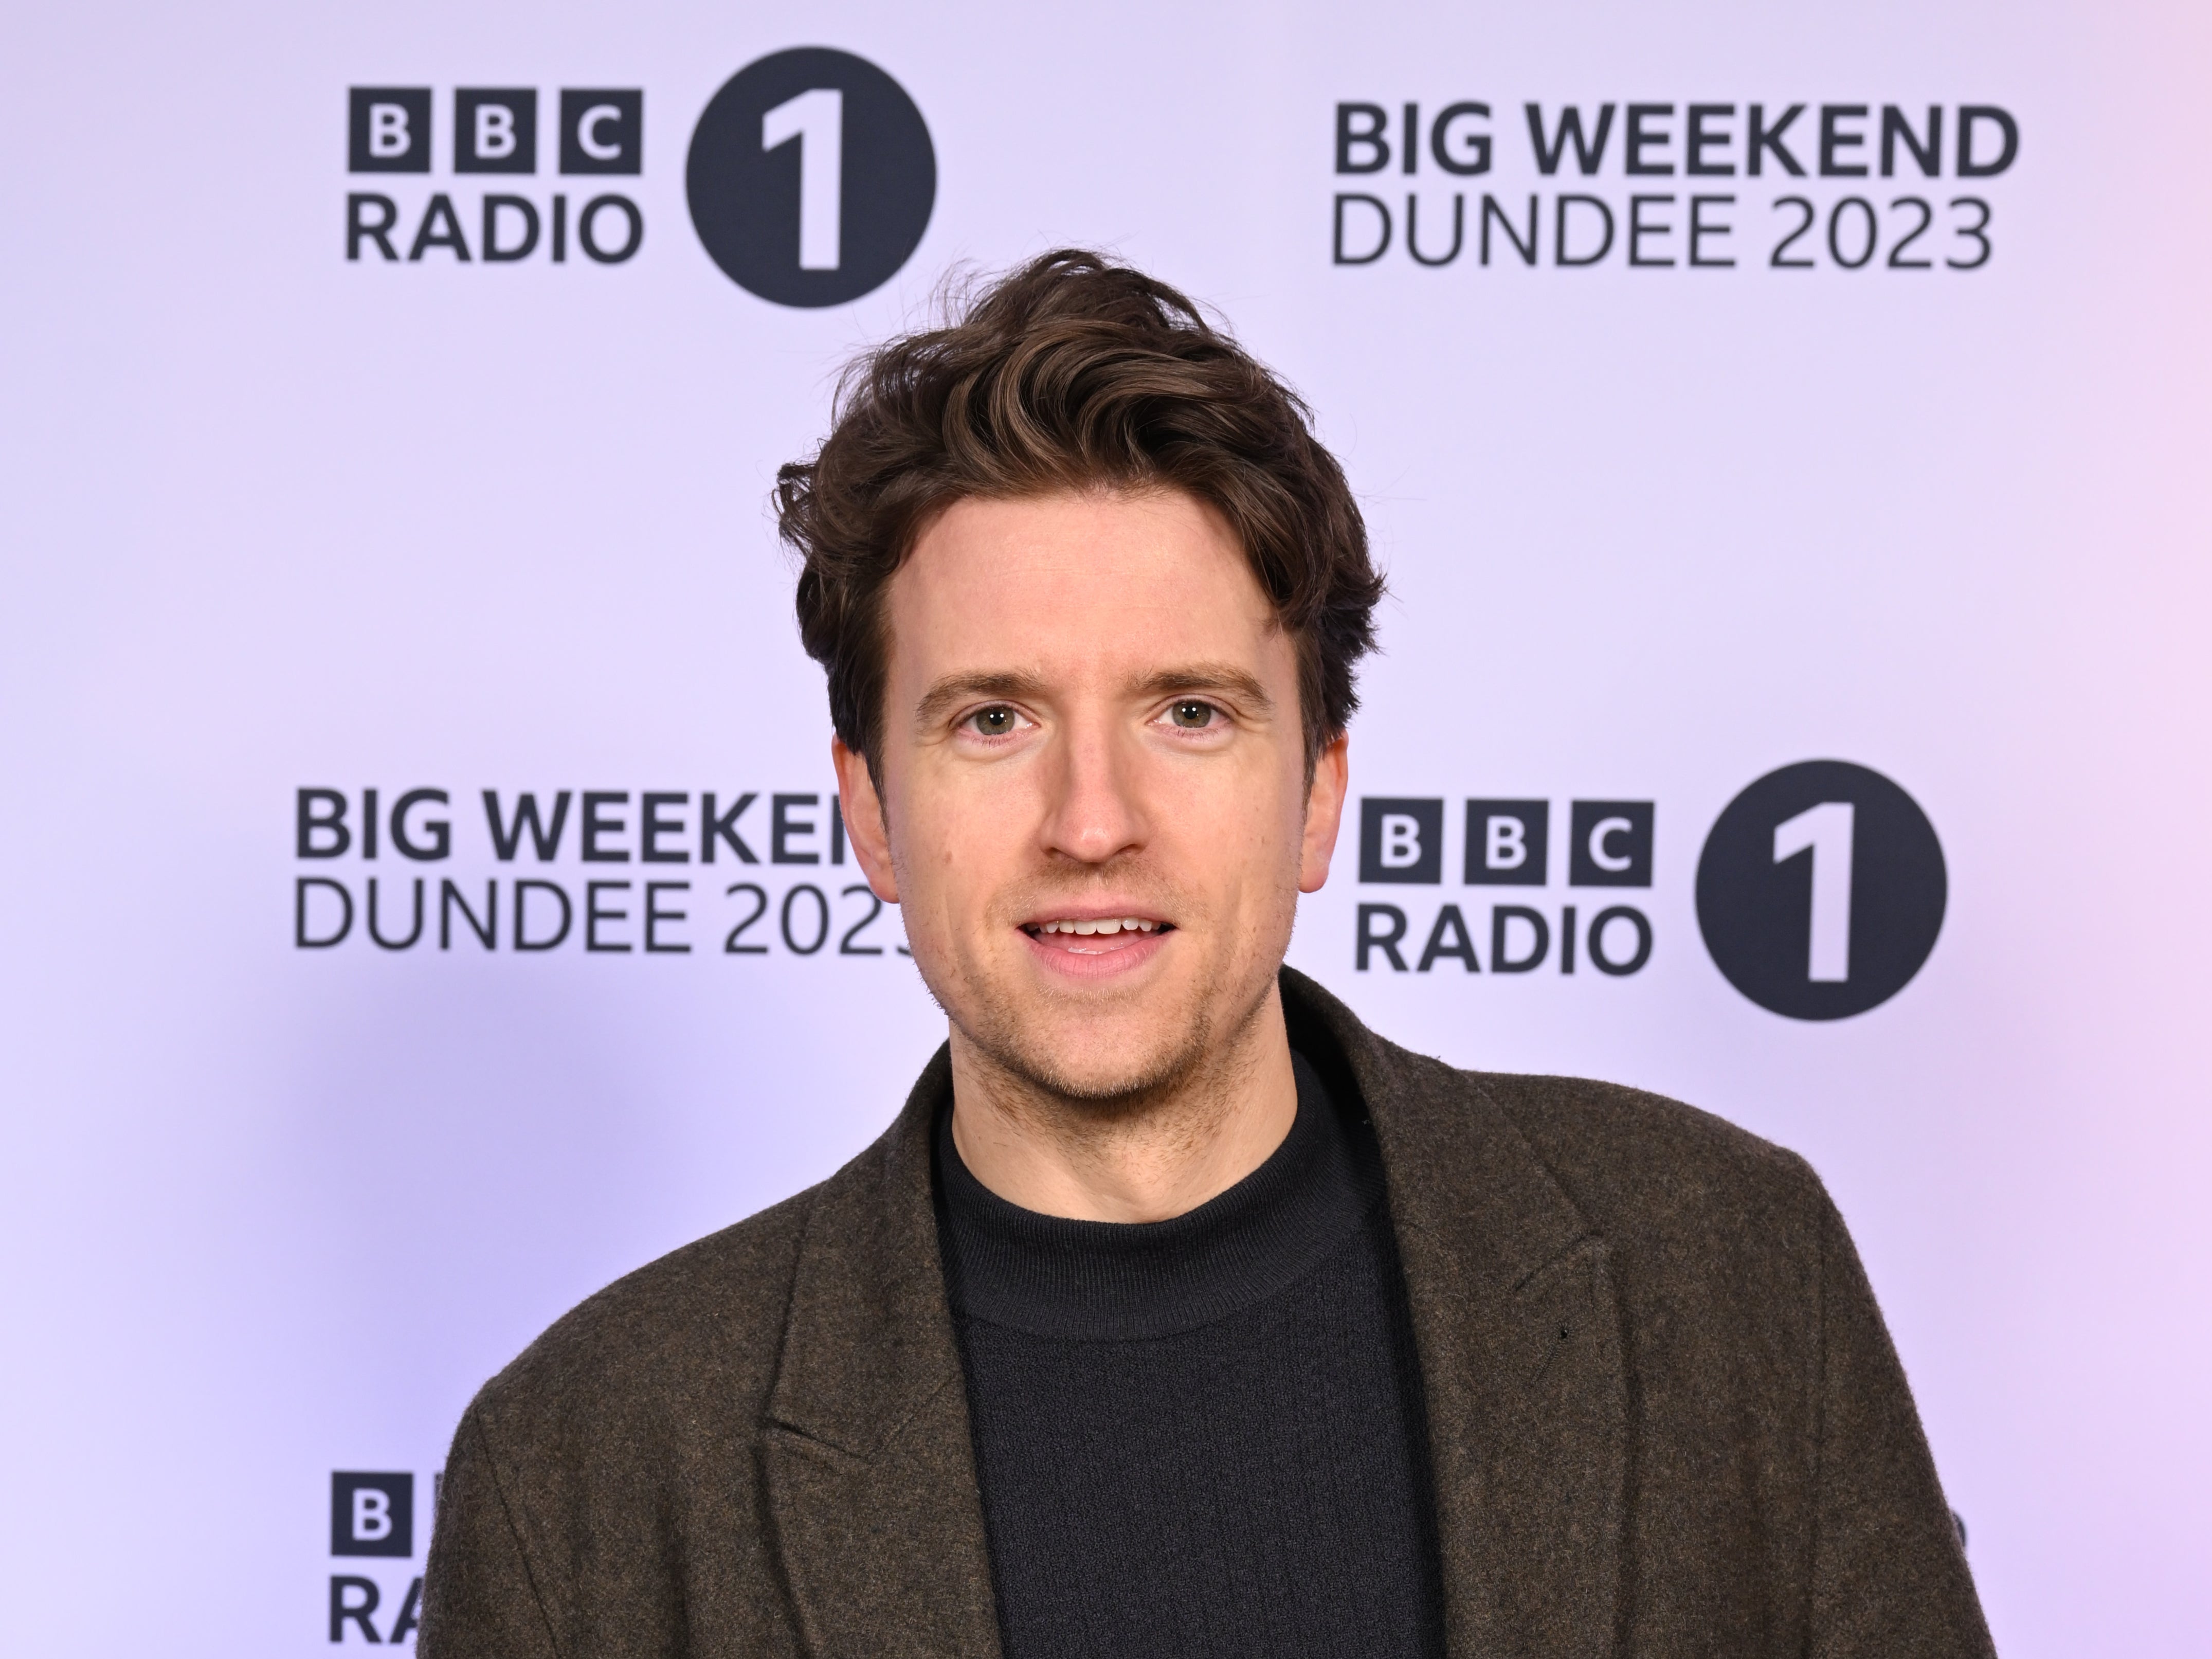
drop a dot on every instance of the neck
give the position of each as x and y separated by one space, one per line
1157 1160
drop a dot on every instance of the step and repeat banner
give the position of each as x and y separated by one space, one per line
427 897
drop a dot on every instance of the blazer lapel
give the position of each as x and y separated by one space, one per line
866 1458
1522 1368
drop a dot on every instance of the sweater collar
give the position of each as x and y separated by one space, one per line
1122 1281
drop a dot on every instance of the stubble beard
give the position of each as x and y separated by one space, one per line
1036 1068
1037 1075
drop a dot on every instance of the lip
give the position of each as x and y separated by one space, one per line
1088 957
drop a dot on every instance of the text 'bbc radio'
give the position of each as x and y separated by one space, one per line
373 1519
1504 843
494 134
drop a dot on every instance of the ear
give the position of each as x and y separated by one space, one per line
1332 777
865 826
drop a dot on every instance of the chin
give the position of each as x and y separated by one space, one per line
1106 1064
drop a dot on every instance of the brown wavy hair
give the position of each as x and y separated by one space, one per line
1072 373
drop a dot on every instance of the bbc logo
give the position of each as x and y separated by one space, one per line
372 1514
1505 844
602 130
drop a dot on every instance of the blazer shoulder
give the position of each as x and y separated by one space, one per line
1580 1119
1617 1151
1638 1163
702 1323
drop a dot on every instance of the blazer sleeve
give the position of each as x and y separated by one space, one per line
479 1600
1890 1579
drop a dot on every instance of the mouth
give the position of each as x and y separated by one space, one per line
1078 936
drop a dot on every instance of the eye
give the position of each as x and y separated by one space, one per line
994 722
1191 714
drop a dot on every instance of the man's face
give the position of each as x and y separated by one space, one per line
1098 820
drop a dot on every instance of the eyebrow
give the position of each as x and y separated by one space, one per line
1224 677
956 688
1208 677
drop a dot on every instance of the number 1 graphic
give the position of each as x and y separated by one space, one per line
1826 829
816 119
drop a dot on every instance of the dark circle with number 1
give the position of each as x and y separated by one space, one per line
745 200
1756 913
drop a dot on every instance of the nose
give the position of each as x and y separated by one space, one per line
1094 813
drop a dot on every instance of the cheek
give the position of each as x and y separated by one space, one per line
954 850
1243 841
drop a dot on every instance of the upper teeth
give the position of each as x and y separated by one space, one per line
1135 924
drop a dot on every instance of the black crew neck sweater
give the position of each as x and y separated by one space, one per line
1201 1437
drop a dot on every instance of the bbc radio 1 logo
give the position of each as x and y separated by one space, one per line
1820 888
811 177
372 1515
495 132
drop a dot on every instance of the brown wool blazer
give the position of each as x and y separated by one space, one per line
1664 1416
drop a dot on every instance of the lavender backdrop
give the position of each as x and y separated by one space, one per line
279 520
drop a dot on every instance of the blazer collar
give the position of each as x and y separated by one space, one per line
866 1455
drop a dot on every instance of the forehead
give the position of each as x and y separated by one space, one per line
1078 585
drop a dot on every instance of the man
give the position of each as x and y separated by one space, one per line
1177 1313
